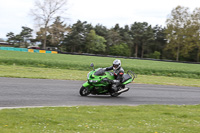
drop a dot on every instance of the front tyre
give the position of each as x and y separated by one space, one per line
84 91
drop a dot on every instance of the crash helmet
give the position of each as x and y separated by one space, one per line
116 64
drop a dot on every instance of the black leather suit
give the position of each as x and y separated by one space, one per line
118 73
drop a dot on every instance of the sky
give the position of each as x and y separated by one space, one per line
16 13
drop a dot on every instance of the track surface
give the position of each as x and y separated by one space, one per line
21 92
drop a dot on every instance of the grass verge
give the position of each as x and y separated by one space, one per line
50 73
140 119
100 119
78 62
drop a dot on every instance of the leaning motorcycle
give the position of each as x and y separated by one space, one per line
99 83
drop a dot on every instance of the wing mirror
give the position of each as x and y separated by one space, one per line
92 65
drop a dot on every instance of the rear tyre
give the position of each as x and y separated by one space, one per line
84 91
113 94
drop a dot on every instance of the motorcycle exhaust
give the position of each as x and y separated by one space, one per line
123 90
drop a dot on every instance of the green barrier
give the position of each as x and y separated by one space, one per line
14 49
48 52
36 51
7 48
10 48
26 50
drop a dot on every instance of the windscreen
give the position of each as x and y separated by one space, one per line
100 72
126 77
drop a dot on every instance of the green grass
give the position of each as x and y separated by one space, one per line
99 119
65 74
77 62
102 119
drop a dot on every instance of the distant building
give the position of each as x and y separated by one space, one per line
52 48
47 48
5 43
33 47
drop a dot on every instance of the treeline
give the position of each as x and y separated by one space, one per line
138 40
179 40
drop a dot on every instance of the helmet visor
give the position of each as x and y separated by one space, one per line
115 66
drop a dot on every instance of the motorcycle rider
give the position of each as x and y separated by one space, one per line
118 73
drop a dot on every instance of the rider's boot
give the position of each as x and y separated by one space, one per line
115 85
114 88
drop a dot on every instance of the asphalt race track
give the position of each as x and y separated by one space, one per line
21 92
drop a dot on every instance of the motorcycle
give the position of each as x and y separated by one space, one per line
100 83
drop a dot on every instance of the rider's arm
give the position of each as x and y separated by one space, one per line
120 75
108 68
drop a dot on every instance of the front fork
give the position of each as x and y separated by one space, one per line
87 85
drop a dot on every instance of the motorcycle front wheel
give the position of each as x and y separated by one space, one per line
84 91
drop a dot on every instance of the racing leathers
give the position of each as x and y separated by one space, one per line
118 74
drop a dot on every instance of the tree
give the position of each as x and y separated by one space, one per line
196 31
148 37
26 35
155 55
95 43
40 35
11 38
141 34
136 32
177 23
125 34
121 49
20 39
57 32
101 30
75 40
159 42
113 38
45 12
117 28
14 39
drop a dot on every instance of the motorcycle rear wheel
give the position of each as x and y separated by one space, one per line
114 94
84 91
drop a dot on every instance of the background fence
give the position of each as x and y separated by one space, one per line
28 50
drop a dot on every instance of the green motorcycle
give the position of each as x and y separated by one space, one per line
100 83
